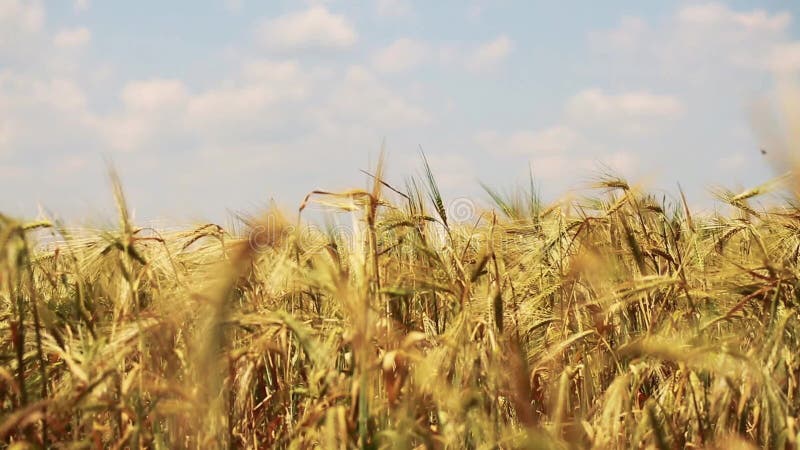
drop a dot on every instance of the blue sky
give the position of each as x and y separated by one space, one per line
206 107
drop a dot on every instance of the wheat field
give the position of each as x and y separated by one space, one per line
615 320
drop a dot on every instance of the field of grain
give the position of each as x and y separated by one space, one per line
618 320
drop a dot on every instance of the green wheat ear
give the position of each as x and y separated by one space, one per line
433 190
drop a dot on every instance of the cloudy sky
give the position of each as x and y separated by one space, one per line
221 105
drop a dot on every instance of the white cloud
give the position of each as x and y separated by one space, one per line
287 76
125 133
60 94
490 54
24 95
233 5
20 22
71 164
734 161
25 15
166 109
80 5
711 38
361 99
263 84
559 150
714 34
554 139
76 37
314 28
13 173
402 54
29 105
263 115
266 101
626 36
153 95
405 54
597 105
784 58
452 171
228 105
476 8
553 167
621 162
265 88
393 8
5 137
720 15
153 112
